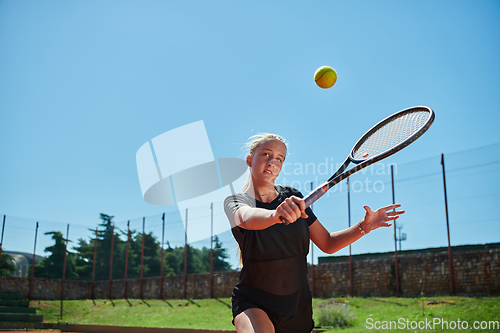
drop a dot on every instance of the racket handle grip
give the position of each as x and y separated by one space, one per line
311 198
316 194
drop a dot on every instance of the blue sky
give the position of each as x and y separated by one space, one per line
83 84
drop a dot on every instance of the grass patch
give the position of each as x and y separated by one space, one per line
215 314
404 311
201 314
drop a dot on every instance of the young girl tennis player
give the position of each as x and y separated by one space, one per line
273 294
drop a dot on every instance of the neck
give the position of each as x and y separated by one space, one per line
265 193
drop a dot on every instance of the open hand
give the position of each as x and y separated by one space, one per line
380 218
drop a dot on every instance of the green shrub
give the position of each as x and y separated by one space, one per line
333 314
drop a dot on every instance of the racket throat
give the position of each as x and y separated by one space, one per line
340 170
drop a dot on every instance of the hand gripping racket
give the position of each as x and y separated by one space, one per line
384 139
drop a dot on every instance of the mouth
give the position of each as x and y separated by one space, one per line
267 171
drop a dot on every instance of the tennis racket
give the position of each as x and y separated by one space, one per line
383 140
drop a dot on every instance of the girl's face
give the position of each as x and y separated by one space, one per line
267 161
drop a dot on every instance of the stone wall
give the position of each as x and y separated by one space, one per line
477 273
198 286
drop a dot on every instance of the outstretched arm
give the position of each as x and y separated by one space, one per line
332 242
252 218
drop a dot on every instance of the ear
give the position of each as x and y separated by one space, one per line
249 161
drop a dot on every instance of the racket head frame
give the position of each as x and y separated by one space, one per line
363 163
401 145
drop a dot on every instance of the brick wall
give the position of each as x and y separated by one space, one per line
477 272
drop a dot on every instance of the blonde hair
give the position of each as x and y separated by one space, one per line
254 142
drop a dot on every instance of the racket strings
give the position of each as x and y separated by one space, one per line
392 134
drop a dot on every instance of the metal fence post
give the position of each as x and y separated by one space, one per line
142 257
162 250
33 263
1 240
351 279
312 257
93 267
111 262
64 269
185 257
126 260
212 250
396 265
450 259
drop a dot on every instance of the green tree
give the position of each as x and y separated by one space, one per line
152 255
103 253
84 257
52 266
194 260
134 255
7 267
198 260
220 256
172 264
80 263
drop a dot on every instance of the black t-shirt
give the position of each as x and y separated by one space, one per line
274 273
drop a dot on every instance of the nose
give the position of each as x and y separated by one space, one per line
272 161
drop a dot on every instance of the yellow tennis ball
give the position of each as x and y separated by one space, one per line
325 77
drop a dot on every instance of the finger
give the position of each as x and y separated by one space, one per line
390 207
368 209
286 218
287 213
292 211
300 205
284 221
289 210
299 202
397 212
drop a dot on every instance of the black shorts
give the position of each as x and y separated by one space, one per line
301 322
